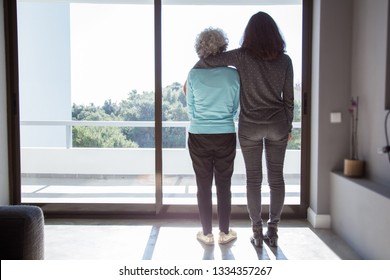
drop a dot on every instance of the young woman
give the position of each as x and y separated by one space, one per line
266 114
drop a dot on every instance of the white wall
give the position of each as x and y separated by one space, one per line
361 216
349 59
368 82
44 71
4 189
331 62
360 207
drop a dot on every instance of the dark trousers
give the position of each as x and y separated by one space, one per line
213 155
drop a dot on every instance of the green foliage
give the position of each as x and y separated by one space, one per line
102 137
96 136
173 137
140 107
297 103
110 108
295 142
137 107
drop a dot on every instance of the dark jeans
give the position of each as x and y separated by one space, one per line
213 155
273 139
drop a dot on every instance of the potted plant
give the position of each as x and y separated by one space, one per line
353 166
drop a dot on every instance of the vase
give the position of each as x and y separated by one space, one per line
353 168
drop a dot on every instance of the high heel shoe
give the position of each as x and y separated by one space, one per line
271 236
257 237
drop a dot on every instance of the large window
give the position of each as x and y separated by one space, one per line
178 57
87 102
103 117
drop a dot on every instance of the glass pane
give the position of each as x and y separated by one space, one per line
178 57
87 101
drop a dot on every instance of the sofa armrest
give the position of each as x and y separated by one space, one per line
21 233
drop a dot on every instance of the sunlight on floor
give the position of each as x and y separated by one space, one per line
115 242
295 243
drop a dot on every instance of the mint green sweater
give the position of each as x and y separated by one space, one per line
212 100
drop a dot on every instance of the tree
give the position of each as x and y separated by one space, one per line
100 137
174 108
110 108
104 137
138 107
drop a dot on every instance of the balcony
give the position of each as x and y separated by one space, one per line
125 175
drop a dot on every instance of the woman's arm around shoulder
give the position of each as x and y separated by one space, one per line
229 58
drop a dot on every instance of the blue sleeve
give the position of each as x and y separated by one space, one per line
236 104
190 97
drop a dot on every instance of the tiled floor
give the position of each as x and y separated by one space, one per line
176 240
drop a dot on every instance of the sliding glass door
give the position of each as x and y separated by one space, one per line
103 118
86 79
178 57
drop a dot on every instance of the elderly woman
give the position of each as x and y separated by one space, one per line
213 100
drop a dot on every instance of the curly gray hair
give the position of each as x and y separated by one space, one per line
211 41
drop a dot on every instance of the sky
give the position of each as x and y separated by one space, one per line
112 45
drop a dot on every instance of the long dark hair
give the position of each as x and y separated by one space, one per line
262 37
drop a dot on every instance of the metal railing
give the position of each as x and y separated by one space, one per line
69 124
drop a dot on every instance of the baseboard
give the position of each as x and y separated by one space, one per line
318 221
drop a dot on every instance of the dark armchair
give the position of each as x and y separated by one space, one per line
21 232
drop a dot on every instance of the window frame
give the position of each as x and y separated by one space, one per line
70 210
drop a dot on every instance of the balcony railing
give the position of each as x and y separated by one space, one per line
52 174
68 124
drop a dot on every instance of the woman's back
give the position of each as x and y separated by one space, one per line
212 100
267 90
